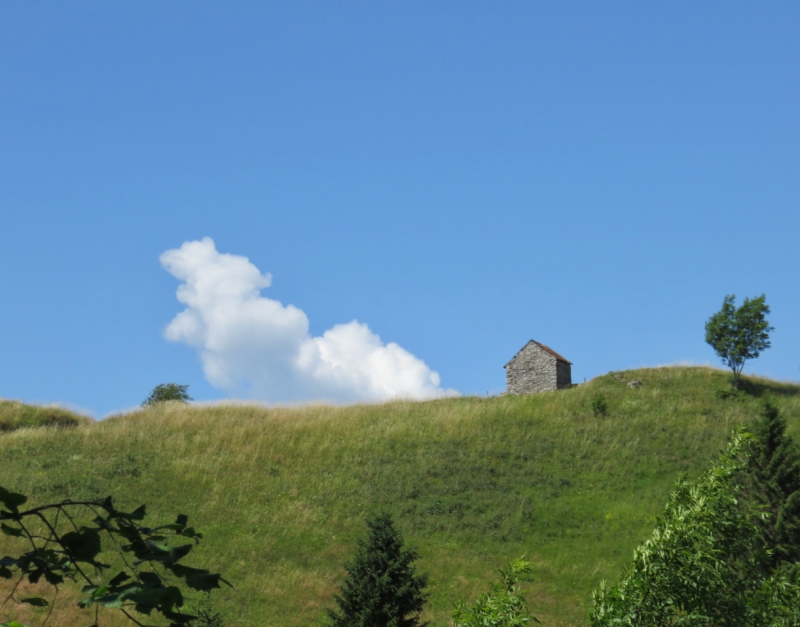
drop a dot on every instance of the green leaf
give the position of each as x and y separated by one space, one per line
10 531
13 623
35 601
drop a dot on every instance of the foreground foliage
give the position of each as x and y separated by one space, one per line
725 550
503 605
773 476
64 546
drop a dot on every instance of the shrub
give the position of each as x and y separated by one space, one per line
503 605
599 405
15 415
732 394
725 550
697 567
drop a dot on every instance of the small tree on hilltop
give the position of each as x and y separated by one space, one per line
737 335
382 588
167 392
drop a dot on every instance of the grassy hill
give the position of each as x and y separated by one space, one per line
281 494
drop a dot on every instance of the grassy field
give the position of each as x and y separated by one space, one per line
281 494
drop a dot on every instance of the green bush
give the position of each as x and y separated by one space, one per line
15 415
732 394
599 405
503 605
696 569
725 550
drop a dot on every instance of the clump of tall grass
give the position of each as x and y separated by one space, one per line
599 405
15 415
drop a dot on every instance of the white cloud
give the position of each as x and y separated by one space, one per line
255 346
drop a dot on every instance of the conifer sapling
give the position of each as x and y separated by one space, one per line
382 588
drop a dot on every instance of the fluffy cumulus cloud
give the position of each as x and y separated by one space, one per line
255 346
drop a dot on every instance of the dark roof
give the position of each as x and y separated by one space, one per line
543 347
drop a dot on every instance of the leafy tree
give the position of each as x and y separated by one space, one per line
167 392
64 542
777 602
503 605
737 335
700 562
774 472
718 555
382 588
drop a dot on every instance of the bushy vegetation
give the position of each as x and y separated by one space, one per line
504 605
700 562
282 494
599 405
15 415
725 551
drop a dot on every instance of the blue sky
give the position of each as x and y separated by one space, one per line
459 176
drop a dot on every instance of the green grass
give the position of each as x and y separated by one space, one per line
281 494
15 415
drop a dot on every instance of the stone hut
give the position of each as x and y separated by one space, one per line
537 368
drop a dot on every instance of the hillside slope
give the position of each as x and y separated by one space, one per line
281 494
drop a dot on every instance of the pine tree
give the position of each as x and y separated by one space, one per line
382 588
775 481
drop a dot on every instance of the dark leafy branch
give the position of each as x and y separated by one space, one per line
64 542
